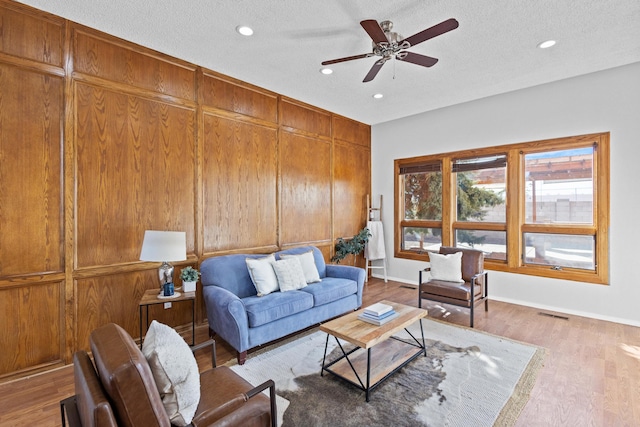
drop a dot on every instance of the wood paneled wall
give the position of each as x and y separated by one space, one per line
101 139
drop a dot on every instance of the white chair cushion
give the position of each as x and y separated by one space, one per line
446 267
175 372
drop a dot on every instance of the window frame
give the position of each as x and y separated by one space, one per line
515 225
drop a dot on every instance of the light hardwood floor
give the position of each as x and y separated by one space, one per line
591 374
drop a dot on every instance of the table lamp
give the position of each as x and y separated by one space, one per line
164 246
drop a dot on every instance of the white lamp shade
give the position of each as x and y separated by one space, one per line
163 246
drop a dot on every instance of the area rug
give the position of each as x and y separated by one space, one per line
467 378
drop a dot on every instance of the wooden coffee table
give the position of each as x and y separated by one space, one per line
391 352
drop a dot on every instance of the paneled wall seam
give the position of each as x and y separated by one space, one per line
132 90
91 293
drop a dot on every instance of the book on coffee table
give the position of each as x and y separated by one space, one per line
378 320
382 316
378 309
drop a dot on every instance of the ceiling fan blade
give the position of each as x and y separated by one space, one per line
374 30
347 58
429 33
374 70
416 58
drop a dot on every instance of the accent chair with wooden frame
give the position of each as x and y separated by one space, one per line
458 293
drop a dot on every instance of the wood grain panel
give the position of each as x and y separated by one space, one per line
115 298
239 98
30 332
305 198
30 172
135 172
132 65
351 131
297 116
239 182
101 139
351 184
31 36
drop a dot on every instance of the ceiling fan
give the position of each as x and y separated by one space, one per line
388 44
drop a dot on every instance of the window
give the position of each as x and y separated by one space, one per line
539 208
422 206
481 211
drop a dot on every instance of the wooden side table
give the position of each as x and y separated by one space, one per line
151 297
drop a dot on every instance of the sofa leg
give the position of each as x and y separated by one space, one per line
242 357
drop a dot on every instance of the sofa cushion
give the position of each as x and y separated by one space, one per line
262 274
290 275
308 263
317 257
331 289
175 371
262 310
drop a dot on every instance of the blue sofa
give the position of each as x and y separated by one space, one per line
245 320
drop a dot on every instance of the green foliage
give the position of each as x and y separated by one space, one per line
423 200
423 196
472 199
189 274
352 246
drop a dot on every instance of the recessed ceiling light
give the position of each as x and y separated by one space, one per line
244 30
546 44
326 71
378 95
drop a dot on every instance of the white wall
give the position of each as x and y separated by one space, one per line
599 102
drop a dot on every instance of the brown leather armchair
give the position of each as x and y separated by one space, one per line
121 391
473 291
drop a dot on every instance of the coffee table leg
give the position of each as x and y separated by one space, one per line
326 344
368 372
424 346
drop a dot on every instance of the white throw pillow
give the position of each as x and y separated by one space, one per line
308 263
290 274
446 267
175 371
262 274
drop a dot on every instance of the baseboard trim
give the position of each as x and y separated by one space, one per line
567 311
538 306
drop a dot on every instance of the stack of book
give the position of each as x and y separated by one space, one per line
378 314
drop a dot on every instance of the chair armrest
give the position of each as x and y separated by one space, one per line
272 397
476 276
209 416
212 342
427 268
227 316
213 415
485 283
69 411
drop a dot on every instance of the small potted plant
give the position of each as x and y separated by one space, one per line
189 277
352 246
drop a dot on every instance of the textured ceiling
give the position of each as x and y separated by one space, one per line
493 51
